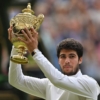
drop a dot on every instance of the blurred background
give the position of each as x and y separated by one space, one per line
78 19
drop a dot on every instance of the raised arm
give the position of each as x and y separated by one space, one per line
30 85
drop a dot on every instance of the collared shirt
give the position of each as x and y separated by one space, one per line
56 86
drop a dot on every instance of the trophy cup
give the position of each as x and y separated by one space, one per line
19 22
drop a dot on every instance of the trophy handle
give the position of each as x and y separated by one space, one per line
38 21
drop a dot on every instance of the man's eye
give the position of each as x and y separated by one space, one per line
72 56
62 56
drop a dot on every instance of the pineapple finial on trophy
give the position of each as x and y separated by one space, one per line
28 9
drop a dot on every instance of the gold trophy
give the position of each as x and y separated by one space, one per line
19 22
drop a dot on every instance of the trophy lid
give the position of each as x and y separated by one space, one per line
28 9
26 19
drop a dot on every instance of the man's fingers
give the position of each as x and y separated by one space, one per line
25 35
10 33
34 32
28 33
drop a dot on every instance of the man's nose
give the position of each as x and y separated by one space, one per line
67 60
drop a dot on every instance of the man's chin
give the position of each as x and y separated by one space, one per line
69 73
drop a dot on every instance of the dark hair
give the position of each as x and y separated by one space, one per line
70 44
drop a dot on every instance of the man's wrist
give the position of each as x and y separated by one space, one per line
34 51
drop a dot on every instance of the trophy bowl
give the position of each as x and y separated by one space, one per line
19 22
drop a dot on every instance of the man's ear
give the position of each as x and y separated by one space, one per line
80 60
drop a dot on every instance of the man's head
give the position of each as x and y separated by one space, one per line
69 53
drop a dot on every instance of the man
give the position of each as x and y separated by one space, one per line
69 85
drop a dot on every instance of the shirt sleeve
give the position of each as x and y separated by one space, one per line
82 85
30 85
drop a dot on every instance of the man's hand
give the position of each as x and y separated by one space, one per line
31 39
10 33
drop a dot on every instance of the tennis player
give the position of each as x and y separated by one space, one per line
70 84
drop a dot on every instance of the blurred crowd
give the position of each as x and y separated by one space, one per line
78 19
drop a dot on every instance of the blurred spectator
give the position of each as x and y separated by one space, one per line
94 12
91 65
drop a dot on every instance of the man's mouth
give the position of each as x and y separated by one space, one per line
67 66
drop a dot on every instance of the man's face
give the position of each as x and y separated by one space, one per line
69 62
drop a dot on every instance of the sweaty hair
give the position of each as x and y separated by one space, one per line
70 44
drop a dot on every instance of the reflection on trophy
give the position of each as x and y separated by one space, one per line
19 22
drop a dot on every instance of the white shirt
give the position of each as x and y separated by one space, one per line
56 86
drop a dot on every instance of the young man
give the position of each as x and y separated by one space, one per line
69 85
